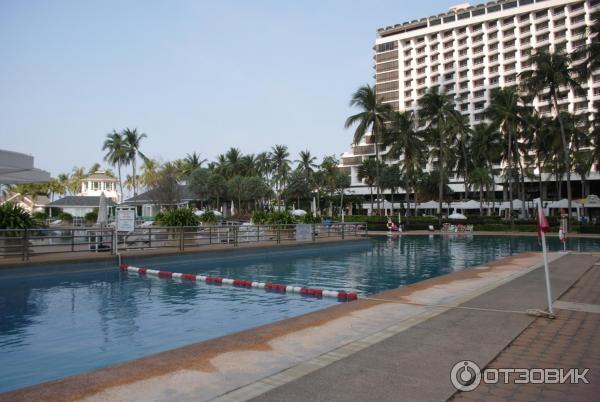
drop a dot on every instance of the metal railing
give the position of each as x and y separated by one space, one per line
24 243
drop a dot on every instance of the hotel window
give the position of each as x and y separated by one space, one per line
494 80
407 94
491 24
392 65
493 58
421 92
421 60
509 55
463 74
541 26
560 34
509 43
492 35
576 7
524 17
542 37
540 14
479 94
421 81
463 63
421 70
479 11
510 78
447 44
448 55
492 9
407 53
558 11
476 28
464 107
510 66
385 47
462 42
507 21
95 186
392 75
407 63
389 96
449 76
388 86
479 71
478 83
493 47
447 34
506 6
386 56
479 105
448 66
478 116
579 18
464 85
421 50
407 83
478 38
449 87
508 32
559 23
421 39
526 64
434 57
494 69
463 52
579 31
462 30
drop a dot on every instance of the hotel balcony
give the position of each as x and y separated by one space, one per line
352 161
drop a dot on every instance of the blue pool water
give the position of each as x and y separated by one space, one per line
57 321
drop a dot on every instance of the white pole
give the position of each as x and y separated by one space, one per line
547 274
546 270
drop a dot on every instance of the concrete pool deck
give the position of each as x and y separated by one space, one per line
395 347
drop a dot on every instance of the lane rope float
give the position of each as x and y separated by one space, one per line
341 295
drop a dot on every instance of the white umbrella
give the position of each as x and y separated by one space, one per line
232 211
199 212
313 206
298 212
217 213
102 210
457 216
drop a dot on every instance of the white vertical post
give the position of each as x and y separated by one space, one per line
545 251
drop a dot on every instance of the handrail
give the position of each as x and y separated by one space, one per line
38 241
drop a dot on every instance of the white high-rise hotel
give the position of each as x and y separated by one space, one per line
467 52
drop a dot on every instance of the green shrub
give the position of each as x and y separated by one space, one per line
14 217
260 217
177 217
281 218
65 217
309 218
91 217
588 228
208 217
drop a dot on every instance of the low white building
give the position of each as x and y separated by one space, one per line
98 183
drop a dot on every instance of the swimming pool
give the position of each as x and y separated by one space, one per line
57 321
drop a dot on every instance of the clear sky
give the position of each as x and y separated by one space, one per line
194 75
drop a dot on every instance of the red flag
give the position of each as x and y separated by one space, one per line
543 225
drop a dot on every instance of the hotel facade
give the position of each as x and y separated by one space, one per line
467 52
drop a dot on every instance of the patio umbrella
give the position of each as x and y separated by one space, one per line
217 213
102 210
457 216
298 212
313 206
199 212
232 211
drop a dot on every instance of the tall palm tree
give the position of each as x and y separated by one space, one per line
464 159
407 145
367 171
306 164
482 177
77 176
233 162
281 165
192 162
538 138
248 165
591 51
505 112
371 117
486 150
441 117
150 173
132 139
116 153
554 72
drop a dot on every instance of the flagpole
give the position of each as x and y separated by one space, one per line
545 251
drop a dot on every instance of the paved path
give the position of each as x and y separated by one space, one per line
570 341
415 364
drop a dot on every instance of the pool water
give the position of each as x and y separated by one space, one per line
57 321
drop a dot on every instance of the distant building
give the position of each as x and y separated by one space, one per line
28 203
98 183
88 199
148 204
467 52
17 168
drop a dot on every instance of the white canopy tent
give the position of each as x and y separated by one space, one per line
563 204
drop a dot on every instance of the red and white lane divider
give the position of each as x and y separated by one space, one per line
215 280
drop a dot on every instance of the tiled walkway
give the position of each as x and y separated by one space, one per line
572 340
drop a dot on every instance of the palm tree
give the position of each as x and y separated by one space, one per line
486 150
482 178
190 163
233 162
505 111
150 173
116 153
408 146
553 72
441 117
367 171
75 179
538 138
132 140
306 164
372 116
591 51
464 161
281 167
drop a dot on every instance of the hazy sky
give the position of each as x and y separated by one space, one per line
193 75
